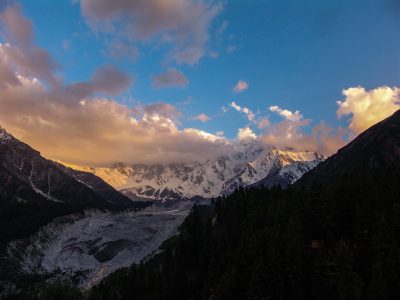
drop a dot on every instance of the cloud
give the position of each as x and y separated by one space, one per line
23 57
15 27
182 24
202 118
121 50
261 122
249 114
160 109
106 80
246 134
287 114
368 107
208 137
290 135
99 131
76 124
240 86
170 78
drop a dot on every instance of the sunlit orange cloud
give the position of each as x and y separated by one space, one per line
100 132
363 109
289 135
367 108
71 124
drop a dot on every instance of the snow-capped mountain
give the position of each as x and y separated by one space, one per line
251 164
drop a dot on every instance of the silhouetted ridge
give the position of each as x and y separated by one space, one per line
377 148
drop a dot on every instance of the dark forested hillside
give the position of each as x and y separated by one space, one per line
340 242
320 239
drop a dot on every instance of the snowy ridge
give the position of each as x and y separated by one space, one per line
296 170
212 178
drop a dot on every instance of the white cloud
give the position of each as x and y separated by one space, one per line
368 107
206 136
287 114
240 86
249 114
246 134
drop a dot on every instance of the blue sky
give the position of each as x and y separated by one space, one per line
299 55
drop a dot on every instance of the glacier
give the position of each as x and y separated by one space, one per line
90 246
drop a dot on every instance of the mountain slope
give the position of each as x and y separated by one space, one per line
34 190
374 149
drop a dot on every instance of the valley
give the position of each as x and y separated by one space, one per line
83 249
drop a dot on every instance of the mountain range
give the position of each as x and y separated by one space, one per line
252 164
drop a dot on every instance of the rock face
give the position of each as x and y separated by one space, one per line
253 164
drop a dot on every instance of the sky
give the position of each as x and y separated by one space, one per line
94 82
